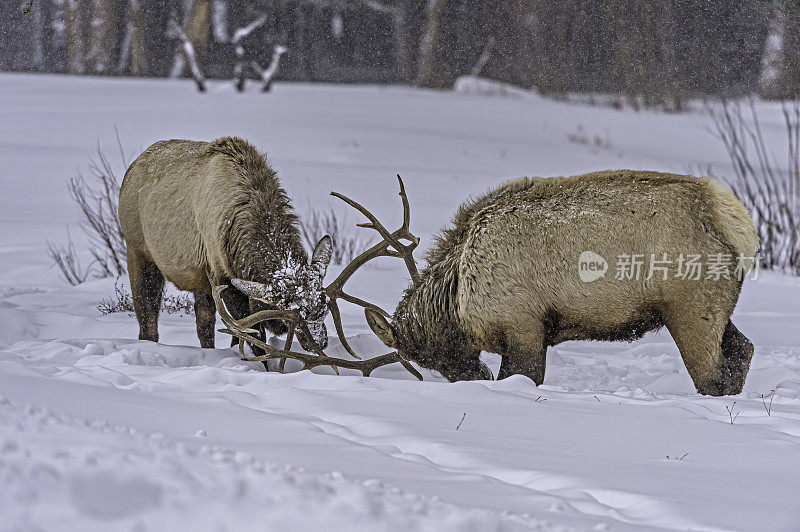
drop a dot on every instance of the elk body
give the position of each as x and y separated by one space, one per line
198 213
505 277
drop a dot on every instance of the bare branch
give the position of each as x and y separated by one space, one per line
484 57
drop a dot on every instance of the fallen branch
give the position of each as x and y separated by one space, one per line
236 40
268 74
189 55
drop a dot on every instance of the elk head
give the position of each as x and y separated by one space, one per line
439 346
298 286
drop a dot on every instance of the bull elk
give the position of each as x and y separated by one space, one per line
505 279
203 213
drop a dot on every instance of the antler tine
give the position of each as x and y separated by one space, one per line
406 213
245 334
335 290
392 239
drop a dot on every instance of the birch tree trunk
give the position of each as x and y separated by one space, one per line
426 72
198 30
77 12
400 35
139 58
780 71
104 37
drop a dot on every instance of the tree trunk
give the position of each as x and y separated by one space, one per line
77 12
138 28
791 53
49 53
549 26
780 71
157 48
402 60
198 30
104 37
426 72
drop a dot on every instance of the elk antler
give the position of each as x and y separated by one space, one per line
242 330
335 290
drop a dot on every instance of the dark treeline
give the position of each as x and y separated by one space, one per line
646 52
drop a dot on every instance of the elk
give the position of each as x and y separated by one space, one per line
505 277
200 214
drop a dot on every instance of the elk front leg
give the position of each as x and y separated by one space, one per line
239 306
205 314
147 288
525 354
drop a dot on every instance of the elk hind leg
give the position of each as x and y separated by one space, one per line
524 353
147 289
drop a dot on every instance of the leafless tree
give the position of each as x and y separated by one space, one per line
780 64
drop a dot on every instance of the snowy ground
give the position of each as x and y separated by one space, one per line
99 431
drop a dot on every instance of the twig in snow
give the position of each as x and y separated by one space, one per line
730 412
598 400
462 420
768 408
540 398
676 457
189 55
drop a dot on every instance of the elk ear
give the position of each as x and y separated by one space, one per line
380 326
322 254
254 290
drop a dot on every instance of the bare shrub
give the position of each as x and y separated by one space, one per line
96 197
596 141
66 259
769 191
181 303
347 243
122 301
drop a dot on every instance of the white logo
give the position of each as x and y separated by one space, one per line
591 266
